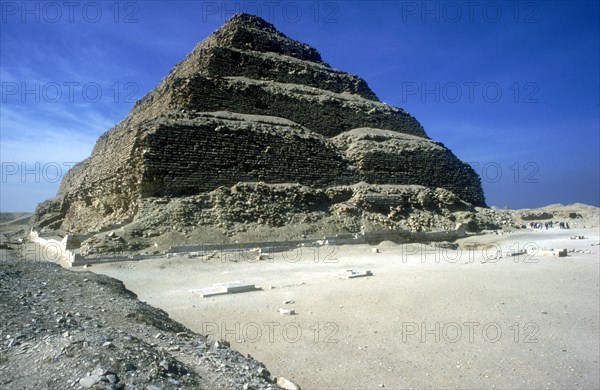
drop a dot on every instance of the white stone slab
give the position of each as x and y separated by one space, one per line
225 288
351 274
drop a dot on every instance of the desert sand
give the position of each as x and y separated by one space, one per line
428 317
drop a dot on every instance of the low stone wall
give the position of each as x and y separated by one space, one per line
60 247
372 238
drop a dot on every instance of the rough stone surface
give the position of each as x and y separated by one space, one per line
255 212
56 322
287 384
250 105
388 157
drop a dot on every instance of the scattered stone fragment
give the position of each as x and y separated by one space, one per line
351 274
165 365
89 381
99 371
551 252
263 373
515 253
287 384
222 344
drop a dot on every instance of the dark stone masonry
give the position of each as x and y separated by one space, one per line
250 105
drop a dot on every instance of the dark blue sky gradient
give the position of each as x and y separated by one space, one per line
511 87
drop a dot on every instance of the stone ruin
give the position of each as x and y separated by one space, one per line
254 136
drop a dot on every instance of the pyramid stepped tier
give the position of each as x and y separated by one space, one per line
282 78
188 156
324 112
249 47
387 157
250 105
177 155
226 61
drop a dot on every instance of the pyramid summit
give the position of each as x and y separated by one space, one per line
252 135
250 32
261 63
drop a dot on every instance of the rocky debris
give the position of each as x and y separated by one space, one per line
577 215
250 105
63 329
445 245
494 218
536 216
107 243
254 212
586 251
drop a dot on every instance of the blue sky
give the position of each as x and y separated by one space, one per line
511 87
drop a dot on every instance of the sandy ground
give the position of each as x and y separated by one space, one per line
427 318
